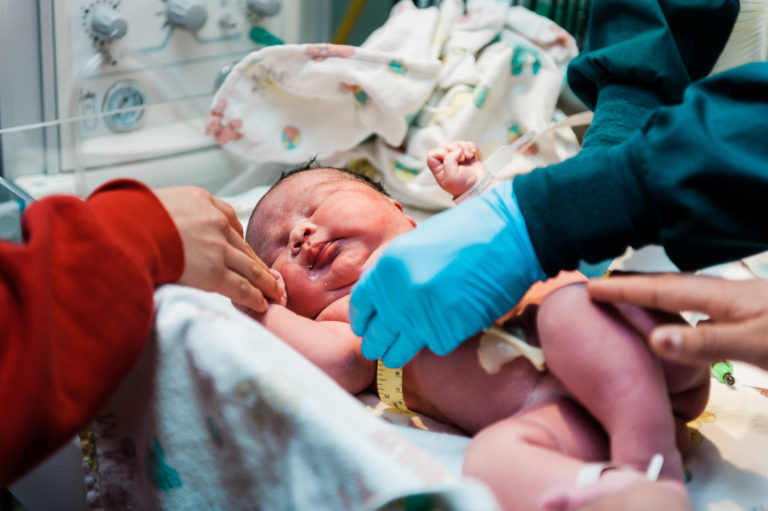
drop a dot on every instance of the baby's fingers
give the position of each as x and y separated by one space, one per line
468 149
437 153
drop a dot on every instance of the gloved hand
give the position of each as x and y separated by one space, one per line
446 280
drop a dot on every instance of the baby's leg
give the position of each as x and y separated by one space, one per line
535 459
687 385
535 454
607 365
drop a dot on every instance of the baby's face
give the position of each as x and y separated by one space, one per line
320 230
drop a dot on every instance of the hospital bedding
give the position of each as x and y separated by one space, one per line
220 414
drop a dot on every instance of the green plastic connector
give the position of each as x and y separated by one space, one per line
723 371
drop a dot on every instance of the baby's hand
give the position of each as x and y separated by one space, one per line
283 300
456 166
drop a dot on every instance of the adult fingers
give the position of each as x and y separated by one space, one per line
378 339
239 244
361 308
241 259
710 341
260 283
239 290
401 351
229 213
669 292
645 320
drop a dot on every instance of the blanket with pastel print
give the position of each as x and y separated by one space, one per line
427 76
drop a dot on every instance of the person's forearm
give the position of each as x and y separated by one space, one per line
76 306
690 180
642 54
330 345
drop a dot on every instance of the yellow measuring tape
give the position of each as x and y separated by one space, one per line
389 384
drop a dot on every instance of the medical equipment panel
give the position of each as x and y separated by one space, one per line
126 85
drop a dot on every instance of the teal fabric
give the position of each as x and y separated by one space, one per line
641 58
648 52
692 179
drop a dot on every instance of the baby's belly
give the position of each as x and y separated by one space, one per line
455 389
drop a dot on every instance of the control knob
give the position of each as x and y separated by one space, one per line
263 7
187 14
107 23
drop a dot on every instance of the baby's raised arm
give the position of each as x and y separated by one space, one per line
456 166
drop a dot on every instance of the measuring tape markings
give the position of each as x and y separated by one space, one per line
389 384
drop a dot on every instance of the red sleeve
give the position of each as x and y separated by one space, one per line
76 309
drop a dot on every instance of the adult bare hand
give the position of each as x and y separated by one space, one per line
737 328
216 257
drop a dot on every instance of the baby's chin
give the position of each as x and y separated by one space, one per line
347 268
372 258
312 301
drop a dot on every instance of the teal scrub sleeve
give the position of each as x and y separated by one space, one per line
642 54
692 179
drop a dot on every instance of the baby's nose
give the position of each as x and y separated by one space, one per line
299 236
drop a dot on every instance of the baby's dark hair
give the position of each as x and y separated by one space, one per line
311 164
315 164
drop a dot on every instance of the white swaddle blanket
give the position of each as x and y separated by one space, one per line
219 413
428 76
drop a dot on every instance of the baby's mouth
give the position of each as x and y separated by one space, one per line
323 256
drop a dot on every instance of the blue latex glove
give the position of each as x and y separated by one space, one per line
446 280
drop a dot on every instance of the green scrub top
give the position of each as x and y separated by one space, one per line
673 157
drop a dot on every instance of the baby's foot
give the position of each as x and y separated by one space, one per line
622 489
597 481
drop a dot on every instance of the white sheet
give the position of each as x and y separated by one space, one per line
220 414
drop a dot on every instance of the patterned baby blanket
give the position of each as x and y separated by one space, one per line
426 77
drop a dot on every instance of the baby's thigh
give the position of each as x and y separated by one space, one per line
577 433
559 425
687 385
688 389
569 310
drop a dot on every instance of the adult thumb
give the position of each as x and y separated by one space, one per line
704 343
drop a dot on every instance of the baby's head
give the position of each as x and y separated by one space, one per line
320 228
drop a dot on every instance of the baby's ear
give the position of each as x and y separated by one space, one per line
400 207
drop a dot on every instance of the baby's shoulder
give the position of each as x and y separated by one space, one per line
336 311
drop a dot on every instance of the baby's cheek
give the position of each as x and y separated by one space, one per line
306 302
348 267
